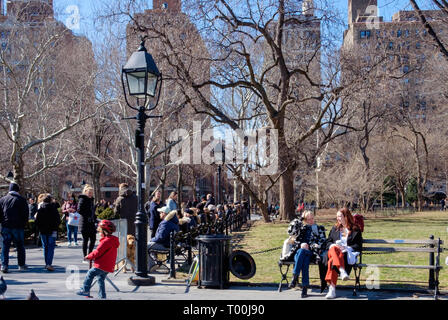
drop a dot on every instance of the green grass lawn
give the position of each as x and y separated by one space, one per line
419 226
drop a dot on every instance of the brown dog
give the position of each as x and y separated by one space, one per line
130 254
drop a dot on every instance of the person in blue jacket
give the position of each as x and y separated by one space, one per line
161 241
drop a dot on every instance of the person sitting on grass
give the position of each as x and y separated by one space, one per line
344 244
104 258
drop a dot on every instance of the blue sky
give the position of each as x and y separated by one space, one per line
67 9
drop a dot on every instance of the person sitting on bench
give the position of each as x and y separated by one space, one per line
344 243
311 240
161 241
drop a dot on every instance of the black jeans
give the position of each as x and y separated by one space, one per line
88 236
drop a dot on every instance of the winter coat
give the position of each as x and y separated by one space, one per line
154 215
164 230
126 206
66 206
170 203
210 201
354 240
313 235
47 218
86 210
14 211
105 255
33 210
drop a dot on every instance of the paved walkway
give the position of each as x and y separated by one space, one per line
70 272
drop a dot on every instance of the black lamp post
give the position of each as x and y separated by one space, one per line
220 149
144 82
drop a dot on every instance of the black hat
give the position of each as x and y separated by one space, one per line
14 187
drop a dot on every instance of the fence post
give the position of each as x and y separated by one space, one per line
431 263
172 257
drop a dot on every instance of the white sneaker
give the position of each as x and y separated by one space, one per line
343 274
76 244
69 244
331 292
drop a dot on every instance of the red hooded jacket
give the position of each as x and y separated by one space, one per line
105 255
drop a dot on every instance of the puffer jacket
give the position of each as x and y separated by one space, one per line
165 228
86 210
47 218
14 211
105 255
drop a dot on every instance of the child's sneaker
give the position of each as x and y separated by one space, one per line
81 292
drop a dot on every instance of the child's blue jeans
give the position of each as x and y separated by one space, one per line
101 276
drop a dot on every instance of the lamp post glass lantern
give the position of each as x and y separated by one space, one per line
144 82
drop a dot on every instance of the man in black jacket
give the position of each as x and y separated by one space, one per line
13 217
126 206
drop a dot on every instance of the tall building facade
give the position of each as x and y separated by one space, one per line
409 57
40 52
168 17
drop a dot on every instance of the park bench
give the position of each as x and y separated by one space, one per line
431 246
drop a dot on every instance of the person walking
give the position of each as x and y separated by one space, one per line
32 208
87 220
69 209
104 258
14 215
47 221
153 214
126 206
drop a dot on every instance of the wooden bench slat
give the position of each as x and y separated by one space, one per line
364 265
398 249
401 241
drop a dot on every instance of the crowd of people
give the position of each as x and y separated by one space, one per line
307 241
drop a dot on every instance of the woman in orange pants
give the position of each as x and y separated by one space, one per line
343 244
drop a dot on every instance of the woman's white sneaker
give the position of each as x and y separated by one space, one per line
343 274
331 292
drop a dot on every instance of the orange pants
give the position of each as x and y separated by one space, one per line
335 259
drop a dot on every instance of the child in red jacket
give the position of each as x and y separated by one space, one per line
104 258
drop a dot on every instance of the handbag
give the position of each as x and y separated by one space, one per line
73 219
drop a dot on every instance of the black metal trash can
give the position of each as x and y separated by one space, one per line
214 252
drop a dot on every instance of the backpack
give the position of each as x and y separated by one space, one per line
359 220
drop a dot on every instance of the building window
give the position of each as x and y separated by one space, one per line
406 33
398 33
165 5
418 45
4 45
364 34
391 45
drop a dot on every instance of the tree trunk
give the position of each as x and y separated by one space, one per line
286 182
179 185
403 199
19 177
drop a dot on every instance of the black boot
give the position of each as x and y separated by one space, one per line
293 281
323 286
304 292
